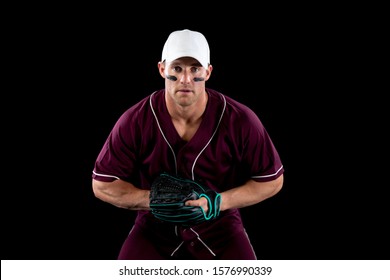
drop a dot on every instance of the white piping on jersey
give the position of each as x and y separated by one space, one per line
177 248
176 231
212 136
174 251
270 175
131 230
197 236
104 175
162 133
247 237
208 248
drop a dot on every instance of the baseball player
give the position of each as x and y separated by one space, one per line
197 133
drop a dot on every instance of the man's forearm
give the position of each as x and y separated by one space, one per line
121 194
251 193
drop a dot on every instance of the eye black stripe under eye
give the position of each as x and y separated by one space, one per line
172 78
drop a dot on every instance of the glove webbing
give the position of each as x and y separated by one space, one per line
171 190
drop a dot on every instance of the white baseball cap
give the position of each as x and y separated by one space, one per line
186 43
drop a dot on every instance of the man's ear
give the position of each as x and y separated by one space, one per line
161 68
208 72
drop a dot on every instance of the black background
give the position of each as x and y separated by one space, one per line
74 70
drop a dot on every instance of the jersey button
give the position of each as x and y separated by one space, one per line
192 243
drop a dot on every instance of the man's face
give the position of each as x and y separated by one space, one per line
185 79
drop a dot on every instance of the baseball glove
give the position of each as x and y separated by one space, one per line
169 193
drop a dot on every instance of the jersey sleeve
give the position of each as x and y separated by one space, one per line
260 154
117 158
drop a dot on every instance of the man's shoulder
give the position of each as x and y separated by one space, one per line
231 103
144 103
141 109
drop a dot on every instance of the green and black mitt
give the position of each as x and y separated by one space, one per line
169 193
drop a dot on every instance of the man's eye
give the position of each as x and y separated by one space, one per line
194 69
177 69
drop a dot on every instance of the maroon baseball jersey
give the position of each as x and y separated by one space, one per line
230 147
